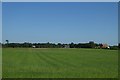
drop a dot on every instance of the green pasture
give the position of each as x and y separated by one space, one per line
59 63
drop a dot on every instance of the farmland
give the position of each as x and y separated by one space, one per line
59 63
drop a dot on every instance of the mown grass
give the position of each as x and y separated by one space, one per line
59 63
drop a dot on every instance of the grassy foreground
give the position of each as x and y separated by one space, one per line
59 63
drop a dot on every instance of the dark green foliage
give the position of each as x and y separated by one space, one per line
7 41
114 47
50 45
91 44
119 45
72 45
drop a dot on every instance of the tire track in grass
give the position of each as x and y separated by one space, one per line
64 66
46 59
54 60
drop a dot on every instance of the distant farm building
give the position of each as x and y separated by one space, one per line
67 46
104 46
33 46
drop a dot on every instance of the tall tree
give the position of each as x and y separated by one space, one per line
72 45
91 44
7 41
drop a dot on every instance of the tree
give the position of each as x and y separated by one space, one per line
119 45
115 47
47 45
92 44
59 45
7 41
72 45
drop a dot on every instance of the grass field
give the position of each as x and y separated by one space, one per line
59 63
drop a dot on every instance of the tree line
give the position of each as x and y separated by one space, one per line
90 44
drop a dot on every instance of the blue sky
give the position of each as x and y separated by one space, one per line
60 22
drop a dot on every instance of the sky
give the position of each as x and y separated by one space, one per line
63 22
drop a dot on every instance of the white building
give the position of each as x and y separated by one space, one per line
33 46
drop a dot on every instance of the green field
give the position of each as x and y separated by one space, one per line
59 63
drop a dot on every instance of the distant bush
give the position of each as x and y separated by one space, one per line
114 47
